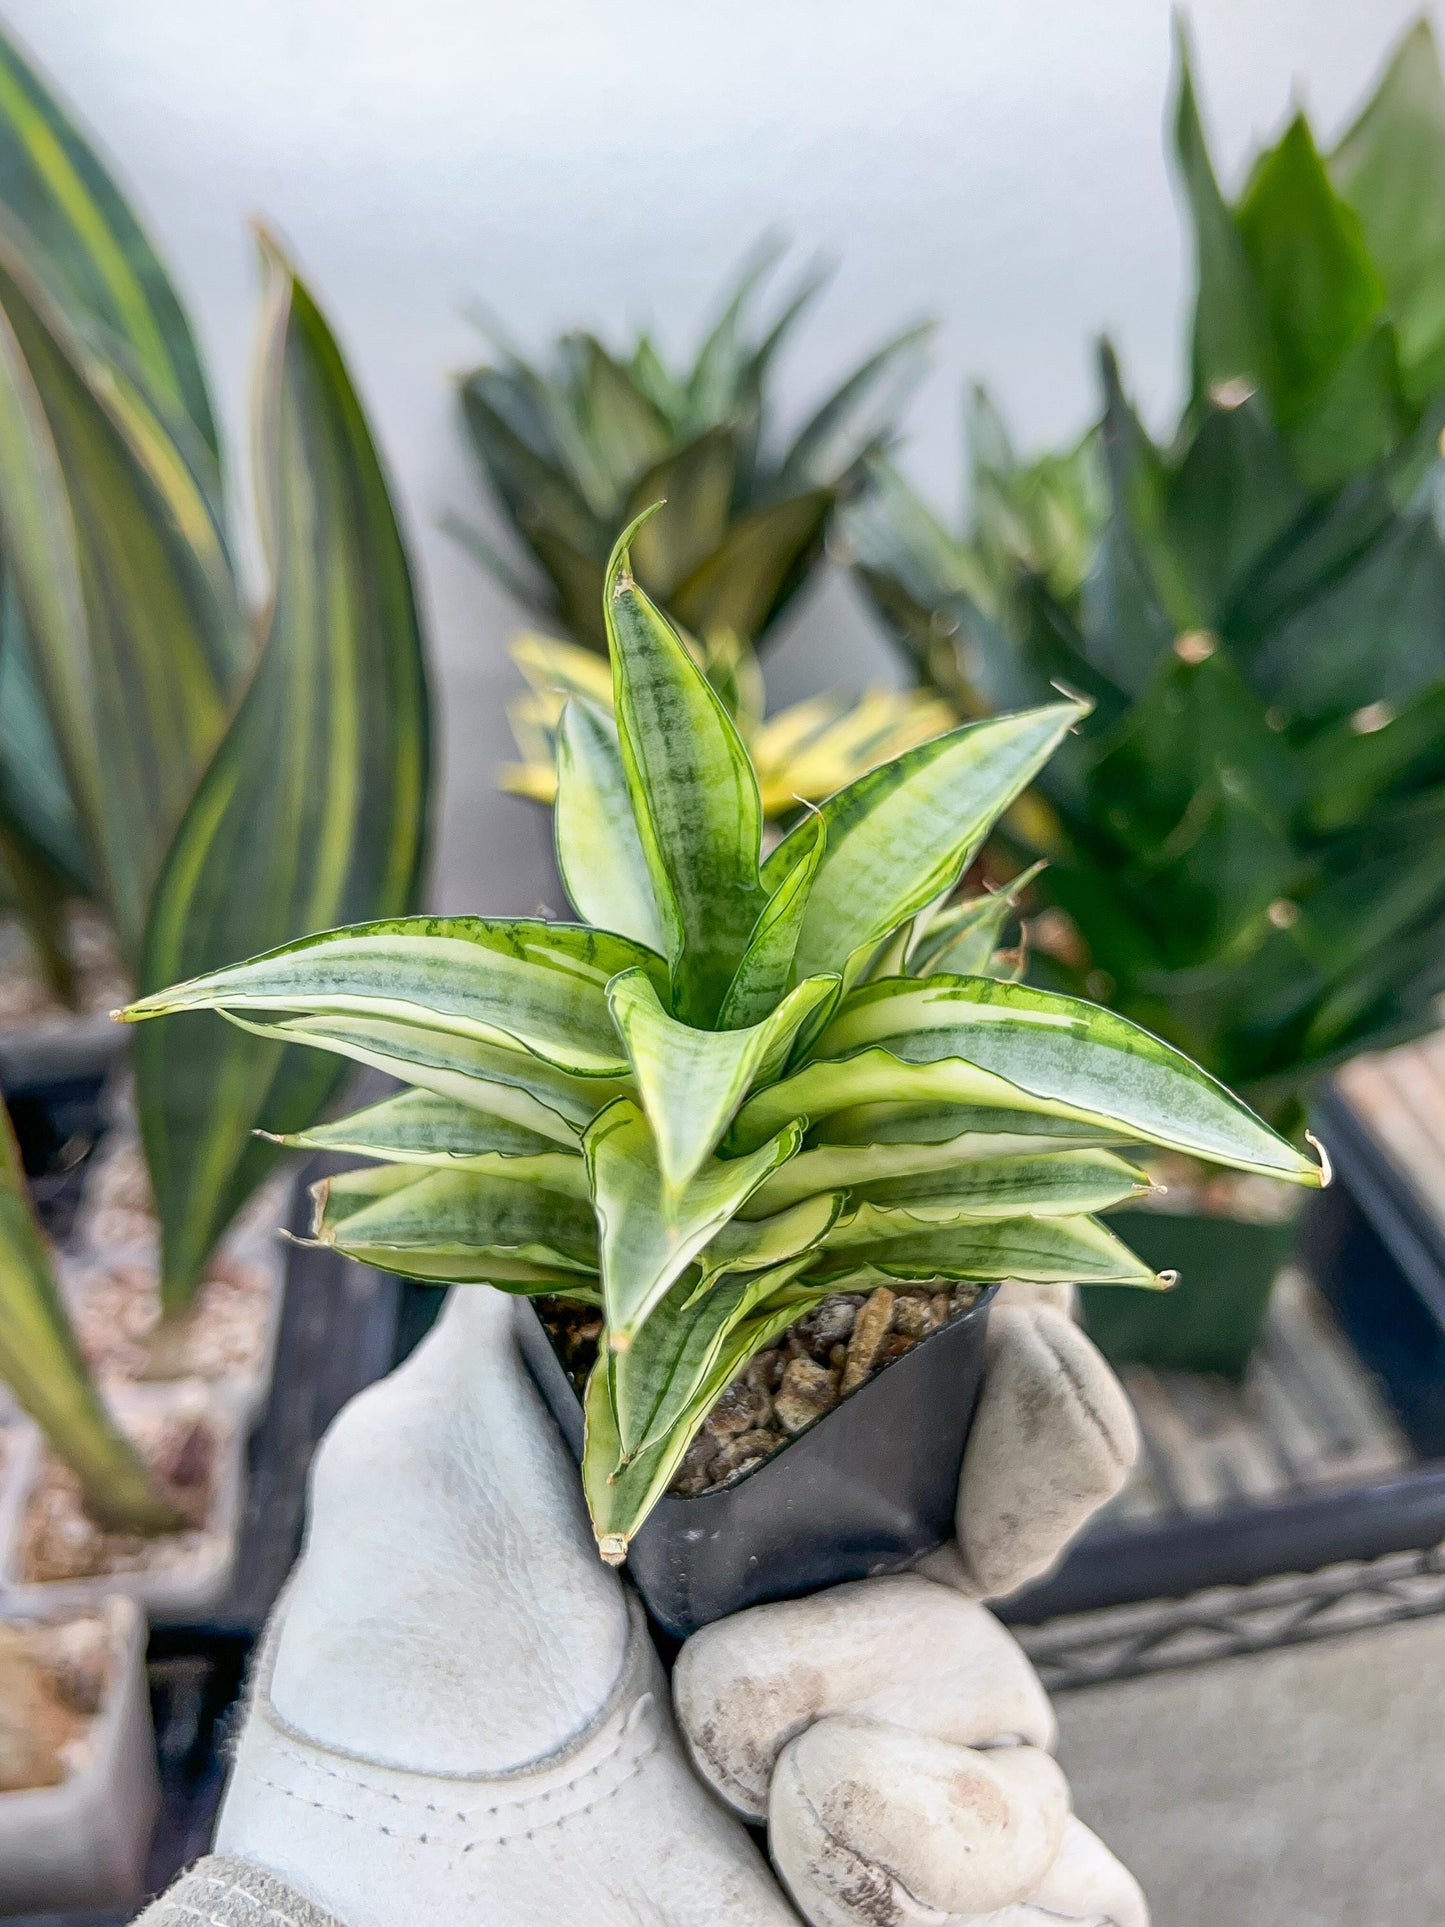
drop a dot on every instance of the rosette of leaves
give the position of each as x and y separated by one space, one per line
214 783
1248 836
735 1084
574 449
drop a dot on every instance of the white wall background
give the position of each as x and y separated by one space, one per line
995 163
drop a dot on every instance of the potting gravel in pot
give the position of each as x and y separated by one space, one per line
769 1128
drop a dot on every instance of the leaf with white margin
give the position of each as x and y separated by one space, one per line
694 794
598 849
962 940
766 969
648 1240
537 986
1063 1055
903 833
419 1128
619 1497
657 1377
894 1160
691 1081
492 1078
1034 1250
459 1226
756 1244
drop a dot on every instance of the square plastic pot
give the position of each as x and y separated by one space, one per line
170 1591
1212 1319
869 1488
83 1844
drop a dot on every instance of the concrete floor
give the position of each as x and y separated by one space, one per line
1301 1788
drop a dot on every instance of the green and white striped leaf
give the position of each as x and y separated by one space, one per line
492 1078
766 968
902 834
129 610
598 849
1033 1250
962 940
655 1380
694 796
525 984
647 1237
1052 1184
313 811
621 1494
913 1143
1064 1055
759 1243
418 1127
692 1081
97 260
459 1226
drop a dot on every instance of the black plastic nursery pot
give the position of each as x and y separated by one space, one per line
868 1489
1211 1319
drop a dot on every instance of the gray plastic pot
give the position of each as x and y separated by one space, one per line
869 1488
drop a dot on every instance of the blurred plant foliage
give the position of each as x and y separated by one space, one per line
212 783
573 450
801 754
41 1360
1246 843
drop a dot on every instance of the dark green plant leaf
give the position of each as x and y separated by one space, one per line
97 259
314 809
1390 167
42 1364
121 574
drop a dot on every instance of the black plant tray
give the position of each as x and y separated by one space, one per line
1368 1252
868 1489
338 1333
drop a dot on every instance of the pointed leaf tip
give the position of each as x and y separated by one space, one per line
619 574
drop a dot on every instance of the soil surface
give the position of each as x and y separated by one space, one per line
26 998
60 1541
842 1342
52 1684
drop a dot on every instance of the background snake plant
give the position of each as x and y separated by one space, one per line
570 451
1247 839
735 1083
214 780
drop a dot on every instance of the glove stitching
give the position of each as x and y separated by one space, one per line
310 1764
472 1814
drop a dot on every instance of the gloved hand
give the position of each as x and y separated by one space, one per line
458 1716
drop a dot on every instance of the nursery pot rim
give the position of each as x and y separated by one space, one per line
871 1493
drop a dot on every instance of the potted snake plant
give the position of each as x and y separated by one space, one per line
742 1099
1243 843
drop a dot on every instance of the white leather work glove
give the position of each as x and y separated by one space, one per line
458 1716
